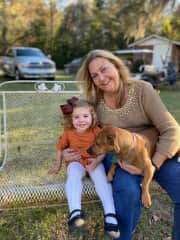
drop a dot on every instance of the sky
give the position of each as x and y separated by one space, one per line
71 1
64 3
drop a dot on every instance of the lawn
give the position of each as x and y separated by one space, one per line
171 99
60 76
50 223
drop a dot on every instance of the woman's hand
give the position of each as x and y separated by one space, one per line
158 159
70 155
93 162
130 168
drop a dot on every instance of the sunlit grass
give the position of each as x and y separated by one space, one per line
172 101
60 76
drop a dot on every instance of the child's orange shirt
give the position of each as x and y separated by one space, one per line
78 141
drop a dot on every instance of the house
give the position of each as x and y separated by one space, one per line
164 50
130 56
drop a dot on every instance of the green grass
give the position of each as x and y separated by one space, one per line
60 76
172 101
51 223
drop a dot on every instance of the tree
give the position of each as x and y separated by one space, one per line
53 22
108 24
3 24
171 25
72 37
135 16
27 23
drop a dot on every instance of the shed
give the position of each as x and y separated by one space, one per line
164 50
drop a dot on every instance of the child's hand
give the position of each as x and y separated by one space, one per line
70 155
54 170
93 162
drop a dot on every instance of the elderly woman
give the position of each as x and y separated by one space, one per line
136 106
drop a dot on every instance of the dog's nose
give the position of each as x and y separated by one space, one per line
89 150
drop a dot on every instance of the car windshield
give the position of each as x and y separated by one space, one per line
29 52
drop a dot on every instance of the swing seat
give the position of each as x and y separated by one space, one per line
31 122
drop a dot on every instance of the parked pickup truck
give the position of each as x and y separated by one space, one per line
26 62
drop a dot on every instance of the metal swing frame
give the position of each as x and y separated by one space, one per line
29 127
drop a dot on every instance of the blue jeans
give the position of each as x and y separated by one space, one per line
127 195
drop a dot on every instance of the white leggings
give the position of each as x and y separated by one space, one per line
74 186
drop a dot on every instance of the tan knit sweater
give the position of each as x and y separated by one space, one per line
144 109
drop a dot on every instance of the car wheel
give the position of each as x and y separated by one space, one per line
17 75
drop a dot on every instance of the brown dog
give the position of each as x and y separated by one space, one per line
136 149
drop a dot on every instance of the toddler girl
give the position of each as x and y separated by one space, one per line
81 128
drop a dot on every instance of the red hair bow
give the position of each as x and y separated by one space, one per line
68 108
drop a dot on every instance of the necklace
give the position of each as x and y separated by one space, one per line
113 100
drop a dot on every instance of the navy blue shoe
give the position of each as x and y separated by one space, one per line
77 221
111 229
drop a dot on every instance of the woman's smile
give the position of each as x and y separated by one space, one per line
104 74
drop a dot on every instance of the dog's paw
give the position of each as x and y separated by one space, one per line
146 200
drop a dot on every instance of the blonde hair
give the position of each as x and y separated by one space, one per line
85 104
90 89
